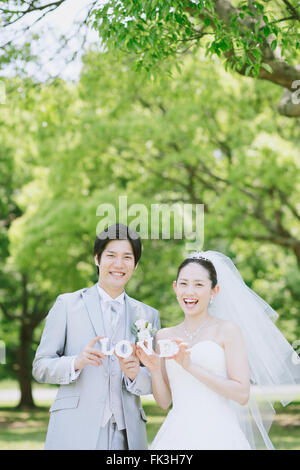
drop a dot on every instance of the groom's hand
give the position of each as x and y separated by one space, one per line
130 365
89 356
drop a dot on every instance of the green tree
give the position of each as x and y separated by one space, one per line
194 140
256 39
197 143
24 299
259 39
175 141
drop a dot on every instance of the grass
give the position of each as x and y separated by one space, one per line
20 430
285 431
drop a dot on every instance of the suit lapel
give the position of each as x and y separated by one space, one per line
92 303
130 309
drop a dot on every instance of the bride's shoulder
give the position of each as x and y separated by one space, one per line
229 328
166 333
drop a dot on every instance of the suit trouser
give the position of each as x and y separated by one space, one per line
110 438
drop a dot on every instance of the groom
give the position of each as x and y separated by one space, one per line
98 403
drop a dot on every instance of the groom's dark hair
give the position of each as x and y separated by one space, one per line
118 232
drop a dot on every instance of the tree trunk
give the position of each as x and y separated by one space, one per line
296 250
25 363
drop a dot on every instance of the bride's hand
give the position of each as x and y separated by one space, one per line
151 361
183 356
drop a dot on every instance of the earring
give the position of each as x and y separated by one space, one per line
211 300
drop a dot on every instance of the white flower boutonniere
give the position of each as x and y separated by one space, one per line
142 330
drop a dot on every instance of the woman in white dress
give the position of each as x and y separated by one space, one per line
219 352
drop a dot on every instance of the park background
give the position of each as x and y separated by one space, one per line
162 102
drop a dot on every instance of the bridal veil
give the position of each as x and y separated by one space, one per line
273 362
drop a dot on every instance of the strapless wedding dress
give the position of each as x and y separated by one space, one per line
200 418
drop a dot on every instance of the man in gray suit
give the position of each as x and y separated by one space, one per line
98 403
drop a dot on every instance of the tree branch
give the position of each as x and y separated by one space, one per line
283 73
8 315
277 240
32 8
284 199
292 10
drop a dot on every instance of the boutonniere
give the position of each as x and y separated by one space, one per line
142 330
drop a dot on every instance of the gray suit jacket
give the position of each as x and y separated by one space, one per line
76 414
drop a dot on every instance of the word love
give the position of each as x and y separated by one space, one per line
124 348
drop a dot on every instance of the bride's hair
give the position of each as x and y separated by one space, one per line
205 263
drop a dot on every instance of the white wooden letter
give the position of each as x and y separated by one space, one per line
149 348
104 350
167 348
128 348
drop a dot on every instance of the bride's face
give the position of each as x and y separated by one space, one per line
193 289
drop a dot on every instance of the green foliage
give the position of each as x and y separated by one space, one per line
153 31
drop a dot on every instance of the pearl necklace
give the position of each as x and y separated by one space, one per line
191 336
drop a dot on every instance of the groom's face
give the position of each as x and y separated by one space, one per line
116 265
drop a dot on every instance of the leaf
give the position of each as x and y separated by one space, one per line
134 329
259 6
267 67
274 45
248 70
257 54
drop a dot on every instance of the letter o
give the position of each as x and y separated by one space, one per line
128 348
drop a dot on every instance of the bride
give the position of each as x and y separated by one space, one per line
226 341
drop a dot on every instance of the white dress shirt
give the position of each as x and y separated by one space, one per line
110 320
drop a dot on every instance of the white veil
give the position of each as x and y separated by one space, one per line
271 358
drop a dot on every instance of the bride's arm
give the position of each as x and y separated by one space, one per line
156 366
160 386
237 386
